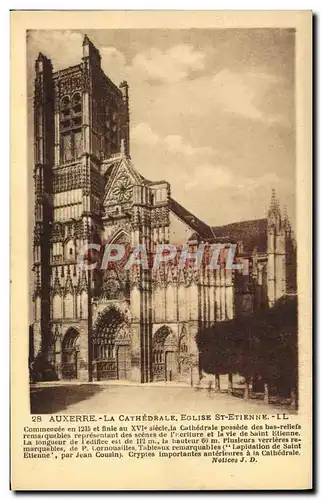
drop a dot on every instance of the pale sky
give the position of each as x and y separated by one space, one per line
212 110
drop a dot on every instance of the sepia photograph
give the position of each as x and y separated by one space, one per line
174 149
161 234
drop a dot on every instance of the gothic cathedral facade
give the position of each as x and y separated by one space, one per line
139 324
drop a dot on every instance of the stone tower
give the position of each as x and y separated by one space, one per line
80 118
276 252
43 182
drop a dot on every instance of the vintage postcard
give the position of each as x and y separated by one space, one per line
161 201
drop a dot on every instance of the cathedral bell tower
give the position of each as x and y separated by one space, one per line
81 119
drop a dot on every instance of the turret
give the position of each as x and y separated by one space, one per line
275 252
44 160
290 256
125 118
44 111
90 51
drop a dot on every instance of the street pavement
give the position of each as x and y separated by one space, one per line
116 398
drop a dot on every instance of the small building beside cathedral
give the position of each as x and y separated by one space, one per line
136 324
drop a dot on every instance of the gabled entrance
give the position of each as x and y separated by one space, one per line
111 346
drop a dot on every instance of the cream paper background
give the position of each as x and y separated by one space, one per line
183 473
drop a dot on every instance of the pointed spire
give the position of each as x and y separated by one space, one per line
41 57
274 208
69 283
274 201
82 282
274 213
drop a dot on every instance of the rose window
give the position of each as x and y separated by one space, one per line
122 190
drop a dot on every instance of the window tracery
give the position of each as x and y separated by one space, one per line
70 127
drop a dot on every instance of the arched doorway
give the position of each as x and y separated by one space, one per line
165 354
70 350
112 346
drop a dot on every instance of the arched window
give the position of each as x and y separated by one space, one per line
70 340
65 107
76 103
71 127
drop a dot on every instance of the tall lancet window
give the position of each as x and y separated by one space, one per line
71 127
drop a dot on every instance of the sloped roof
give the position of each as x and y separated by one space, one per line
199 227
253 233
110 167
